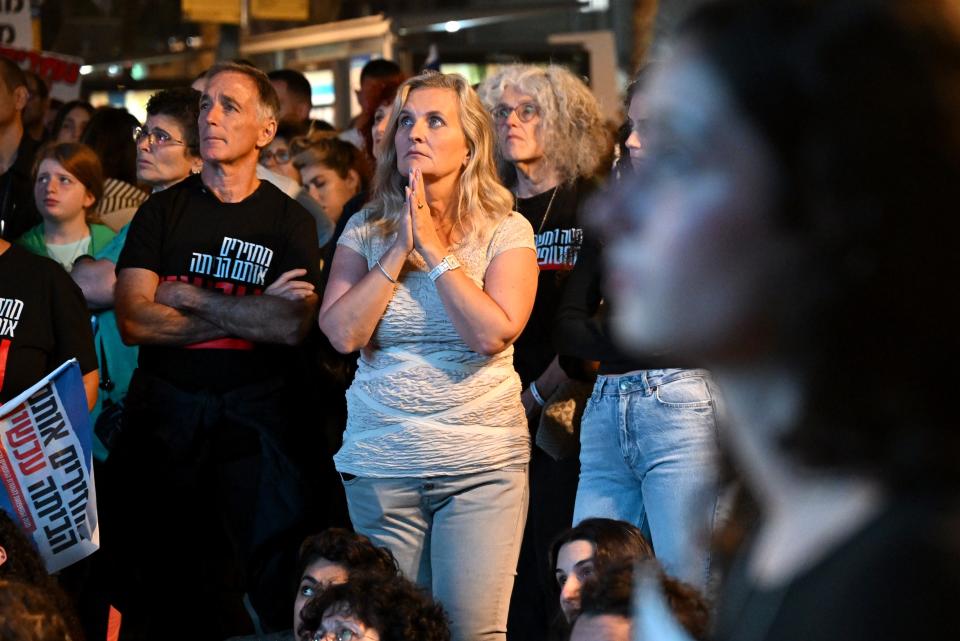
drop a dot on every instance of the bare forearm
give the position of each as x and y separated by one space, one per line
482 324
551 378
350 321
96 278
263 319
149 323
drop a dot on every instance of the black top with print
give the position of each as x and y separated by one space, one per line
43 321
558 237
186 233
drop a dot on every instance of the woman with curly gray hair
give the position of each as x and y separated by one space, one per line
552 143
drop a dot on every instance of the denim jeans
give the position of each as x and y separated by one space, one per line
648 456
457 536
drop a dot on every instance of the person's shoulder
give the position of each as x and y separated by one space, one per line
513 230
586 185
362 219
283 184
174 197
189 186
26 263
101 233
514 223
32 239
583 188
278 202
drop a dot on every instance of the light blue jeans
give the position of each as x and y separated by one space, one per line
457 536
648 456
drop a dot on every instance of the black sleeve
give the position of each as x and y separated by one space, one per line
580 330
144 244
72 332
302 248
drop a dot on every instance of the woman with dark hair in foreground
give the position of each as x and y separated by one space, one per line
586 550
374 608
794 229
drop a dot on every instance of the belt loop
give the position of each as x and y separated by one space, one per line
645 378
599 384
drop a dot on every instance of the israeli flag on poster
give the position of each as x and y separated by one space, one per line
46 467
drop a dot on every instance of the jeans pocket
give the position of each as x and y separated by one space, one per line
689 392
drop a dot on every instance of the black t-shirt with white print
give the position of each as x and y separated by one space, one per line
186 233
558 237
43 321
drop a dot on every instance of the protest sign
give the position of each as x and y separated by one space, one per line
46 474
16 27
62 73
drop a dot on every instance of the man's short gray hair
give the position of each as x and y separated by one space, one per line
269 102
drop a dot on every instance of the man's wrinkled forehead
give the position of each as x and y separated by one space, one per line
233 85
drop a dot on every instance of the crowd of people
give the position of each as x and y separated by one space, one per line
483 365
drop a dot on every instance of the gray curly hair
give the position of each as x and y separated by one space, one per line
572 130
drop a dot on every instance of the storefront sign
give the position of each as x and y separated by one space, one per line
280 9
223 11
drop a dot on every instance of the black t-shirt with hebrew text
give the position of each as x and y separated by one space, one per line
43 321
186 233
558 236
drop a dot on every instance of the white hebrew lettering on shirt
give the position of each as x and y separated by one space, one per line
238 260
559 247
10 311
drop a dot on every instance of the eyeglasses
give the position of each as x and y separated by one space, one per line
155 138
280 156
343 634
526 111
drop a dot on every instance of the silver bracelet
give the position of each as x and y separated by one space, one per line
389 277
536 394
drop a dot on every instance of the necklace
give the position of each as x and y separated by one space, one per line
546 214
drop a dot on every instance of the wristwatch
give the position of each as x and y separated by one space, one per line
449 262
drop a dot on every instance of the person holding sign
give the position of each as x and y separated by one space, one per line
43 322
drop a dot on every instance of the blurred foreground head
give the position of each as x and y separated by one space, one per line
374 608
27 613
797 207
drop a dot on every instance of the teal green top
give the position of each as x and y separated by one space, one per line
121 359
32 239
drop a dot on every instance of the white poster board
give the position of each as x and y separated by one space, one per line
16 29
62 73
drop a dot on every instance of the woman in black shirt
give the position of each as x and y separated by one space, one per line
795 229
43 322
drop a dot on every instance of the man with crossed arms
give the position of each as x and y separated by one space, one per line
216 284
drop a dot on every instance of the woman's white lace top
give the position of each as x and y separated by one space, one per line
423 403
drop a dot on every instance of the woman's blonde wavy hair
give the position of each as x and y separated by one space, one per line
483 201
575 140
